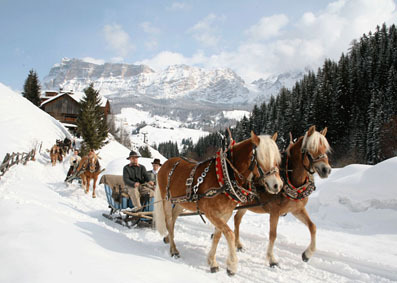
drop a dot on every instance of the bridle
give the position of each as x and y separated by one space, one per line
262 175
92 164
312 160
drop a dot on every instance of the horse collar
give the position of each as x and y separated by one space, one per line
227 180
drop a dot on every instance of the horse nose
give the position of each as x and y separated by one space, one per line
326 170
275 187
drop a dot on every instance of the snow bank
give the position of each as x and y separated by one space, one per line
23 126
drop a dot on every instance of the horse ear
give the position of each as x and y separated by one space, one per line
254 138
311 130
291 139
274 137
324 131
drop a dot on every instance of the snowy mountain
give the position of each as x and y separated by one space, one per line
273 84
185 89
50 230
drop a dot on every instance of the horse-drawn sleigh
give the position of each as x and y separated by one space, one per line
87 169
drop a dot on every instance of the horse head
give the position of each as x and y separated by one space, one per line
314 152
93 162
265 159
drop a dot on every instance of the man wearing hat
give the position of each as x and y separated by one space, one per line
156 167
136 179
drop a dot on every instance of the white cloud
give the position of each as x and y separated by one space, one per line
117 60
93 60
310 39
206 31
307 41
149 28
118 40
267 27
178 6
166 58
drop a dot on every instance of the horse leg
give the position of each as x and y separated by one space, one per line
303 216
220 224
87 185
237 221
211 259
272 238
169 222
84 182
93 187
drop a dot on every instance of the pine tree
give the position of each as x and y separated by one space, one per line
91 121
145 151
31 88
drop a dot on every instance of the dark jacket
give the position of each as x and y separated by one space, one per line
133 174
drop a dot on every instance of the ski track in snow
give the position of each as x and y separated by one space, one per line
192 236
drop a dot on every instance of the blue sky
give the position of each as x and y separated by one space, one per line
255 38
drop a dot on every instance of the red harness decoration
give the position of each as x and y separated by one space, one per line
218 169
232 190
293 193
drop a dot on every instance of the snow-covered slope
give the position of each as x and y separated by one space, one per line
24 126
157 129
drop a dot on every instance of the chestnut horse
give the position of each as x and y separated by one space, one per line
55 154
89 168
303 158
253 159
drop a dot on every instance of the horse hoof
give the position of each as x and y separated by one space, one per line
305 258
240 249
274 264
212 236
165 240
230 273
214 269
175 255
94 196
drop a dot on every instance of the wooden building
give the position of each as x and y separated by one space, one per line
65 106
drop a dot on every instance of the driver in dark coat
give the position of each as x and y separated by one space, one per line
137 180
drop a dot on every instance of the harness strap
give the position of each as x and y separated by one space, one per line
168 195
189 181
289 190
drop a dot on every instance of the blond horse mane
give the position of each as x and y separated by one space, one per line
268 152
314 141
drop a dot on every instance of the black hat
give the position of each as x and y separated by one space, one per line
133 154
156 161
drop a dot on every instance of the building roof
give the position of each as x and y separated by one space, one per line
77 96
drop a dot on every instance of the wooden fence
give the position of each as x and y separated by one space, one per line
16 158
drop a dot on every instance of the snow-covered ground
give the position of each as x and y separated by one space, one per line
157 130
51 232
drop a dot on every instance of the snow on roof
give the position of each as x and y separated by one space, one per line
77 96
69 125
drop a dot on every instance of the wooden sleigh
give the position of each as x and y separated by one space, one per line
121 207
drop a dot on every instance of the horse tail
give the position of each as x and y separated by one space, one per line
158 213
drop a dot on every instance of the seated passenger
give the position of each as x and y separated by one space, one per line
74 162
137 180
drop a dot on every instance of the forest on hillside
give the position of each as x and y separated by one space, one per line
356 98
